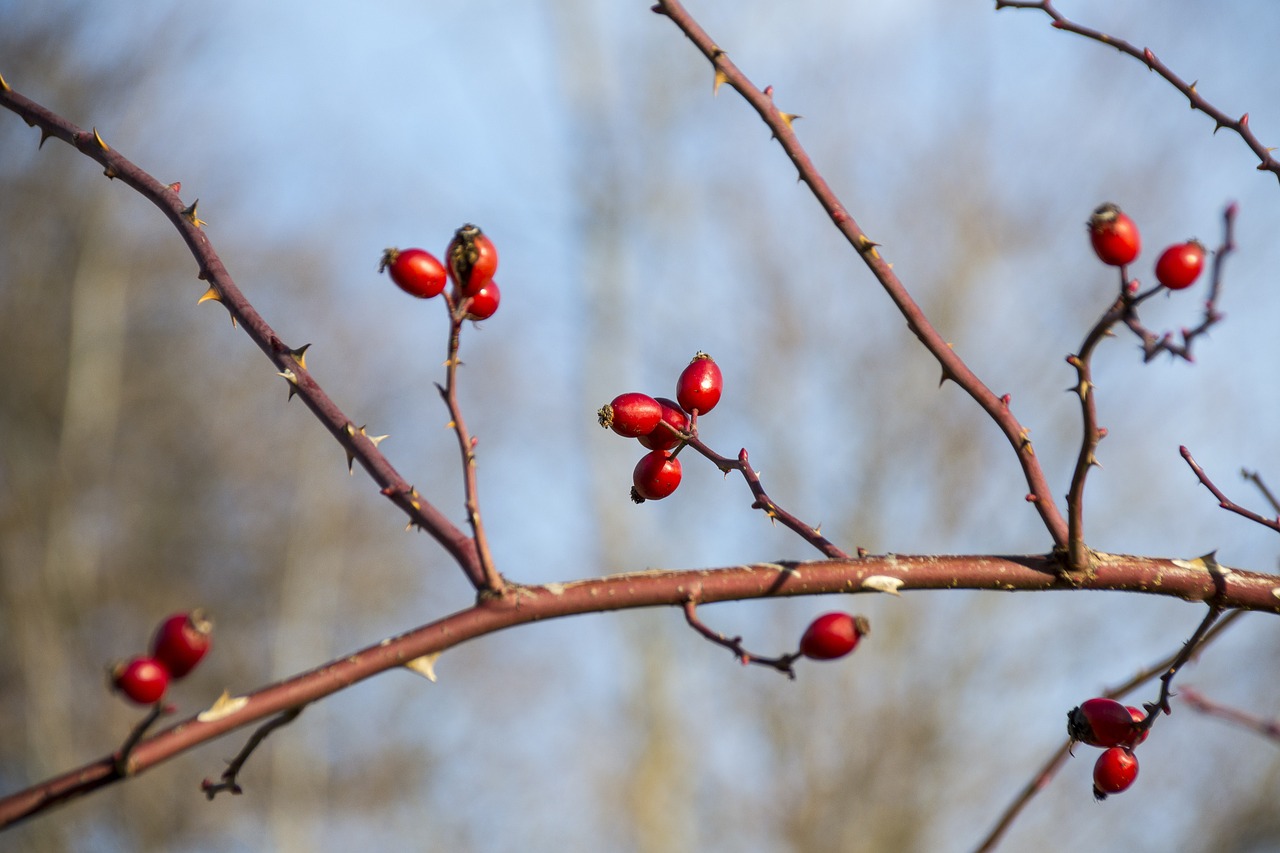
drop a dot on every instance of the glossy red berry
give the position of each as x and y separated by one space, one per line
181 641
1103 722
656 475
1114 236
662 438
143 680
1180 265
414 271
484 302
699 385
472 259
1114 772
833 635
631 415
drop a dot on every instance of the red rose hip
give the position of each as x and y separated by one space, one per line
1114 236
699 385
655 477
484 301
662 438
143 680
182 641
472 259
833 635
1114 772
415 271
1102 722
1180 265
631 415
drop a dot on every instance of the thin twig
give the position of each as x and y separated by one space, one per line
953 366
1268 728
1267 162
490 582
1224 501
812 535
126 749
781 664
228 781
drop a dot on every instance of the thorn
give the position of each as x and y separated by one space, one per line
210 295
424 666
657 9
788 118
300 355
4 87
721 79
866 244
190 214
44 136
98 139
292 379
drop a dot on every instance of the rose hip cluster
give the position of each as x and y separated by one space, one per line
661 425
472 261
1116 242
178 645
1116 729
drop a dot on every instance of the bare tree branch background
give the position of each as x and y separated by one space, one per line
149 462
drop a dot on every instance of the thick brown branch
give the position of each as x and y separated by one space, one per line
1192 580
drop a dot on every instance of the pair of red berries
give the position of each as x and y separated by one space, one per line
1114 727
472 261
660 424
179 644
1116 241
833 635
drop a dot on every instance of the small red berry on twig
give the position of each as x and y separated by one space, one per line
1114 235
1114 772
472 259
415 271
1179 266
182 641
656 475
699 384
1104 722
142 679
833 635
631 415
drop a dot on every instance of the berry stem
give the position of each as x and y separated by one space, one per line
122 765
766 504
781 664
485 577
228 779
